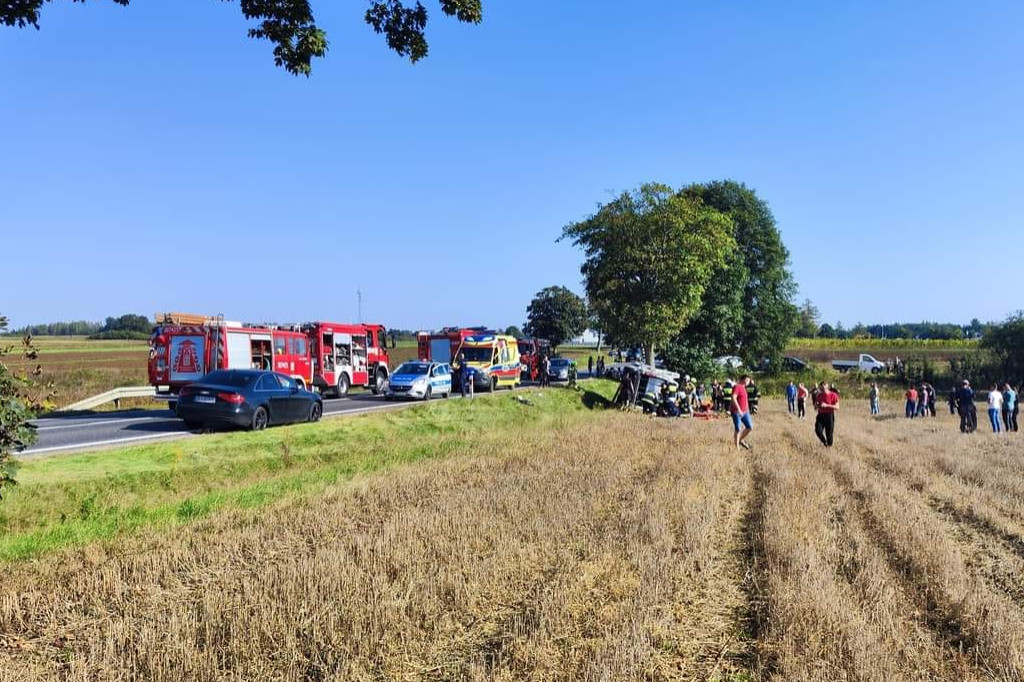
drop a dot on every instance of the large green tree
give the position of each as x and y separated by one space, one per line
649 257
556 314
290 26
749 307
1006 343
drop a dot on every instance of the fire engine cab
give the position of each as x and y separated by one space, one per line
441 345
184 347
530 352
346 355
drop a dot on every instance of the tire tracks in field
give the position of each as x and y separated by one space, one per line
989 548
959 650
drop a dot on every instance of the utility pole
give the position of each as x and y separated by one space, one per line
359 298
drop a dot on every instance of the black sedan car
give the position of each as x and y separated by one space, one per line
250 398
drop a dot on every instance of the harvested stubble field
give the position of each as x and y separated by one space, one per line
594 546
79 368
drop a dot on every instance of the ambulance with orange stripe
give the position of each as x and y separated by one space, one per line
494 359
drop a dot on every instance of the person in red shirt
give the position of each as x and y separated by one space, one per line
911 402
739 408
801 401
825 423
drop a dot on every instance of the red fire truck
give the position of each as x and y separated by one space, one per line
441 345
182 348
346 355
326 355
530 351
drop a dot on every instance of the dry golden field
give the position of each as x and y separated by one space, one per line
615 547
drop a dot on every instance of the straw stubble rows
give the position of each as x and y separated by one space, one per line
613 548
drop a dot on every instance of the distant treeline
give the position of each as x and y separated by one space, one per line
936 331
124 327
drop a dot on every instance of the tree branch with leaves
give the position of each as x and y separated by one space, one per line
22 396
291 27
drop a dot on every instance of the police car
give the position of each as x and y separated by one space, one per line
420 379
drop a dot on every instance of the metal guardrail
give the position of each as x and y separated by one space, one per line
113 395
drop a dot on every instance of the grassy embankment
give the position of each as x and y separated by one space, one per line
71 500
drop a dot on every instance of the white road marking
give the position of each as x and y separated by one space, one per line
96 443
101 423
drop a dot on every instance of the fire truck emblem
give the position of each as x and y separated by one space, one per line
186 361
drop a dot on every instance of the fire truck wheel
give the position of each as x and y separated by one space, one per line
259 419
342 386
379 381
315 412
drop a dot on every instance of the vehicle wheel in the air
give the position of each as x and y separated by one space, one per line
379 381
426 396
342 389
316 412
260 419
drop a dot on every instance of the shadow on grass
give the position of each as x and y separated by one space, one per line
594 401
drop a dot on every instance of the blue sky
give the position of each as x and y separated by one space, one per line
155 159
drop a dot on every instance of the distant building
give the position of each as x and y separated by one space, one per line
587 338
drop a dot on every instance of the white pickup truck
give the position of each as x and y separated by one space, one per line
865 363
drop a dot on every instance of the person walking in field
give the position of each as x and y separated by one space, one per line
791 397
1009 408
965 406
995 406
801 401
739 409
827 404
911 396
873 398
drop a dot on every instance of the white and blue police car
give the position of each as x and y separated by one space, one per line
420 379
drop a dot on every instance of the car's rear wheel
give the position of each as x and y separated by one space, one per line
260 419
342 389
316 412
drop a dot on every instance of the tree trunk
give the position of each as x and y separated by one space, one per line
650 354
600 338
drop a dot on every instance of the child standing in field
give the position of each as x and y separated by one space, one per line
873 397
995 406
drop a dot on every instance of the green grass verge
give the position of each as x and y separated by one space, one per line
73 500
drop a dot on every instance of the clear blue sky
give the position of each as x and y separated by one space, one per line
155 159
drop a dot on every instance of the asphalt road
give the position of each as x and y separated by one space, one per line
76 432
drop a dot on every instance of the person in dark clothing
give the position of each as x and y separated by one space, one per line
827 403
545 365
590 365
966 408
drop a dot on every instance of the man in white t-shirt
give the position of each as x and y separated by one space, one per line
995 406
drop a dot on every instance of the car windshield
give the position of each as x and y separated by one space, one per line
413 368
478 354
227 377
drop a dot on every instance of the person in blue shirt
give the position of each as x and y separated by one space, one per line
791 397
965 406
1009 407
